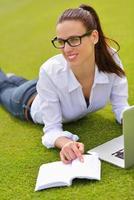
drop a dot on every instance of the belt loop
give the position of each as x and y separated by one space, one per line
27 108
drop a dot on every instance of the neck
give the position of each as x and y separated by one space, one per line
85 71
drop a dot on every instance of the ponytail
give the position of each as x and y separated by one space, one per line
103 57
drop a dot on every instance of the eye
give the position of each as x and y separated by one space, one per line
74 40
59 41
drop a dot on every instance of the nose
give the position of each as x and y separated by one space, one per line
67 47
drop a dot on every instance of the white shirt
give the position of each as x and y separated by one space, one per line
60 97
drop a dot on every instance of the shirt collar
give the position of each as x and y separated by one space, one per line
73 83
100 78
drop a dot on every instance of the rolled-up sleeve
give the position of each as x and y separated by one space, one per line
50 137
50 111
119 94
119 97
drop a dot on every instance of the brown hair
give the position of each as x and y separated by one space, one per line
103 53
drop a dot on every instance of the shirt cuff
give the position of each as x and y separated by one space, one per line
120 117
49 138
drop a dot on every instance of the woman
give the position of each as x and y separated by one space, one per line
82 79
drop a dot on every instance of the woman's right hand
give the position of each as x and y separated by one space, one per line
72 150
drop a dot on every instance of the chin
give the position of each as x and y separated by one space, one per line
73 63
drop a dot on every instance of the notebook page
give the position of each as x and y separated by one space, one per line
90 168
52 175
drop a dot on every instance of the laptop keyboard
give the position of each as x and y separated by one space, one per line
119 154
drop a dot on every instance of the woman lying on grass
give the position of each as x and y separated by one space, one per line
82 79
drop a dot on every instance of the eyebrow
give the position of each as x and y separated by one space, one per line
68 37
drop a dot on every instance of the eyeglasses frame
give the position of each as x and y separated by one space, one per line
88 33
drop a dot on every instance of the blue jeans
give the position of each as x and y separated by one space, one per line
15 95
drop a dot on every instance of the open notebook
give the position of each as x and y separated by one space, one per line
57 173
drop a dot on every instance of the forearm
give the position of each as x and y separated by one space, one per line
61 141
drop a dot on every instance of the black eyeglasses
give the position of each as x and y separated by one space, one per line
73 41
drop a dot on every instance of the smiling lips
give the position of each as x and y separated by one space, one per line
71 57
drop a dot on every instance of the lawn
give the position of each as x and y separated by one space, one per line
26 28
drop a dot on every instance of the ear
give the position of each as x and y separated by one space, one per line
95 36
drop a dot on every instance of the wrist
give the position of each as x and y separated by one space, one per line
61 141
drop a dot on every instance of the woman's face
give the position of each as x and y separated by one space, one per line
82 54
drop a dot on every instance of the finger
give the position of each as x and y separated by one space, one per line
78 149
72 154
67 150
64 158
81 147
69 154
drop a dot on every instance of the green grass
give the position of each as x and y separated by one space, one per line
26 28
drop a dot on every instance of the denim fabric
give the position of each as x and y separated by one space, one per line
14 98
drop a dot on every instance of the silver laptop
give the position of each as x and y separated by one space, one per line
120 150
